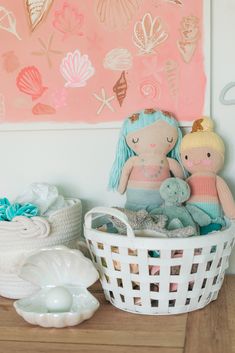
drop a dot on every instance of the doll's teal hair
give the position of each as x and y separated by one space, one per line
124 152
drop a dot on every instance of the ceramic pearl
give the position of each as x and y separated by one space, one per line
59 299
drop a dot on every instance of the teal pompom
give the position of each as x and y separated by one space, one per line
8 211
4 204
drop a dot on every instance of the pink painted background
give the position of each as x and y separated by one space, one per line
153 77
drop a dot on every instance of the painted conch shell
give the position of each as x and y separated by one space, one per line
120 88
149 33
118 59
29 81
116 14
37 11
43 109
76 69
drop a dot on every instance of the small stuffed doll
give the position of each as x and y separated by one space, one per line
202 154
147 154
175 192
143 221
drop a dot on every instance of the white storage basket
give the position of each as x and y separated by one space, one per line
22 236
196 274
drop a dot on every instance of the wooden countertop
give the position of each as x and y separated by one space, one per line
210 330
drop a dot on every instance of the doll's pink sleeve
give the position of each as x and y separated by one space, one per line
225 197
175 168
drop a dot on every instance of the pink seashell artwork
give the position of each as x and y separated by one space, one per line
98 61
76 69
43 109
68 21
29 81
10 61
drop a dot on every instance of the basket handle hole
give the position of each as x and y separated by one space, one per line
154 303
194 268
134 268
177 253
154 270
173 287
175 270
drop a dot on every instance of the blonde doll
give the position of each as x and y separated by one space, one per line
147 153
202 154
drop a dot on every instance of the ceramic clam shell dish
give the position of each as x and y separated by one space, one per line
63 276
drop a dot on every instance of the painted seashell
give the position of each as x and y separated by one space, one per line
68 20
10 61
149 33
29 81
116 14
120 88
76 69
187 50
8 22
58 266
43 109
175 2
150 88
37 10
190 33
118 59
172 75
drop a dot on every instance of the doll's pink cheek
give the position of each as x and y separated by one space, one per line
207 162
189 164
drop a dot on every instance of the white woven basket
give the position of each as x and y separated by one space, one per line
22 236
196 274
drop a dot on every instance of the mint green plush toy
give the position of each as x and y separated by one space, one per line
175 192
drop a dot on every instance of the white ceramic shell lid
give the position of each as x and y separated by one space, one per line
59 266
33 309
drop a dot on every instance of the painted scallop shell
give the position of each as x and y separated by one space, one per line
29 81
149 33
68 20
76 69
43 109
59 266
116 14
118 59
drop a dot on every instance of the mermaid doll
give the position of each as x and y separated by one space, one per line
202 154
147 154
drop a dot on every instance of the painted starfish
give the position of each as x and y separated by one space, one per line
104 100
47 50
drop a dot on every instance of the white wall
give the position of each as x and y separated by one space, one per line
79 161
223 58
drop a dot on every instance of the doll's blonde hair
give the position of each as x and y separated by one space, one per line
202 135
